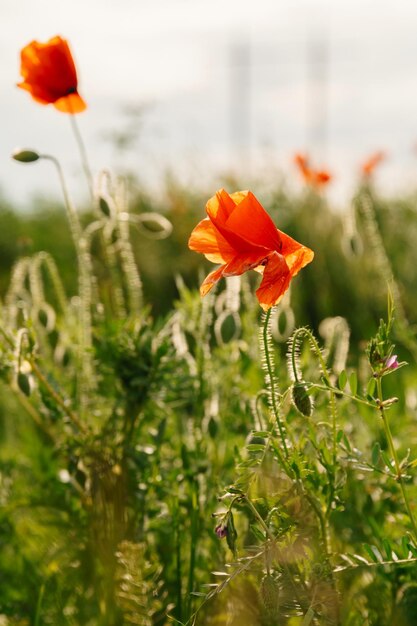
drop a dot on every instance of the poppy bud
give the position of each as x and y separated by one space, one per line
104 207
23 383
25 156
301 399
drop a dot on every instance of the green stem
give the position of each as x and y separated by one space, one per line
60 402
83 154
274 542
85 291
316 348
388 435
271 376
193 547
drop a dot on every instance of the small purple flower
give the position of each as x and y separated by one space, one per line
392 362
221 531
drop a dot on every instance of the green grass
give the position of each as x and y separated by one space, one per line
123 447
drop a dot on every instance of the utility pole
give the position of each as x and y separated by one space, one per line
317 97
240 104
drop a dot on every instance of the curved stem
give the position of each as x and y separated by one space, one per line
333 412
388 435
271 380
85 289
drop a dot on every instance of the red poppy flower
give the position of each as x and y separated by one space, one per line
50 76
313 177
372 163
240 235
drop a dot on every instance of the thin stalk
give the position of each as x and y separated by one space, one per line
193 546
61 403
271 376
83 154
274 542
30 409
85 275
333 412
388 435
178 568
39 605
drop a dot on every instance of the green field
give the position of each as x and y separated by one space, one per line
138 419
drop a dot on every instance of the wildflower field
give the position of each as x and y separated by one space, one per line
208 399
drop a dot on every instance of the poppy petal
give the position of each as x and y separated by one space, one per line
275 282
210 280
73 103
299 259
207 240
50 75
219 209
252 222
220 206
296 255
244 262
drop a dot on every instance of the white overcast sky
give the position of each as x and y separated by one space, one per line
226 84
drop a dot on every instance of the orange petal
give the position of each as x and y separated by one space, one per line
299 259
206 239
220 206
321 178
296 255
244 262
275 282
73 103
210 280
50 76
252 222
220 209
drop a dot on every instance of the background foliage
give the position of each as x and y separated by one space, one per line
111 522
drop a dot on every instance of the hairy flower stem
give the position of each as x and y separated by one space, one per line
271 383
316 349
85 277
393 451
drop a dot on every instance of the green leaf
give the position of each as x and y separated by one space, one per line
308 617
412 549
376 451
342 380
387 547
347 443
370 389
404 547
255 447
370 550
387 461
231 533
353 383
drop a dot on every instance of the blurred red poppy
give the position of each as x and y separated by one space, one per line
50 76
372 163
313 177
240 235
